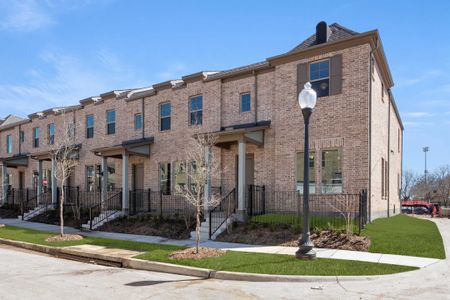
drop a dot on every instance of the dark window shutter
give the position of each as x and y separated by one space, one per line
336 75
302 76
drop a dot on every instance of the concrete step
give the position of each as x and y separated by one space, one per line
102 219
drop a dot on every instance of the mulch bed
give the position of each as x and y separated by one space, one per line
284 235
191 253
8 213
173 228
64 238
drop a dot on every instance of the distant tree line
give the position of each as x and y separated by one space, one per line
433 186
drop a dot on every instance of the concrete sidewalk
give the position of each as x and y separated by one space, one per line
412 261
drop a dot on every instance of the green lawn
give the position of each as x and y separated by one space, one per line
405 235
279 264
231 261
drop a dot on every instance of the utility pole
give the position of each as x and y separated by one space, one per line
425 150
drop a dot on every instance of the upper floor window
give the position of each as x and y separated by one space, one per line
71 130
196 110
245 102
137 121
165 111
22 136
90 126
319 76
111 122
36 137
51 133
9 144
331 171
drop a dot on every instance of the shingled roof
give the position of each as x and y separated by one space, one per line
337 32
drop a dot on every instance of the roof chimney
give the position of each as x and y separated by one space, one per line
323 33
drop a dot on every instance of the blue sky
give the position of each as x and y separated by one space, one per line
58 52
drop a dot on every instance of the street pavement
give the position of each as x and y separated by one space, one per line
28 275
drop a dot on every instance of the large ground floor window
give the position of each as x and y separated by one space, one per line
329 171
164 178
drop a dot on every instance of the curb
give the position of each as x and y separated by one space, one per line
138 264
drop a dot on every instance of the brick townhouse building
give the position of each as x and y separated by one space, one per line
135 139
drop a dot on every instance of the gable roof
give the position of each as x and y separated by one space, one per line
11 120
338 32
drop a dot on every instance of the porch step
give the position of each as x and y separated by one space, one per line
103 218
36 211
204 228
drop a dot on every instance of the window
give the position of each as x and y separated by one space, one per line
90 178
300 172
22 136
71 130
386 179
180 175
51 133
399 140
331 172
319 76
196 110
9 144
382 92
90 126
193 173
137 121
245 102
165 111
111 122
164 178
36 137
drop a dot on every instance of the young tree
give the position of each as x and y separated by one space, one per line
442 176
408 182
64 152
200 156
346 206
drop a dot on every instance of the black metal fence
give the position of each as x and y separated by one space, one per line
327 211
157 203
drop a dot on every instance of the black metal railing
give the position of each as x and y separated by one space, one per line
106 209
327 211
220 214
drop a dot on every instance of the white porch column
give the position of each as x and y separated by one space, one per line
39 185
104 178
4 182
54 182
208 180
125 187
242 185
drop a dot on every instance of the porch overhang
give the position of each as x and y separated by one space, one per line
137 147
47 155
252 133
18 160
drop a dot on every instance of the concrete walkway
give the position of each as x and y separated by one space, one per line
412 261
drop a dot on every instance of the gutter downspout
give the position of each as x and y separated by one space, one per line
389 153
143 118
255 88
369 190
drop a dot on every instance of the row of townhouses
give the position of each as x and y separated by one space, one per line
136 138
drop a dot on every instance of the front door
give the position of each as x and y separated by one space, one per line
137 195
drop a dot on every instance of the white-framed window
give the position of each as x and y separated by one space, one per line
111 122
245 102
165 111
9 144
331 171
319 77
196 110
312 171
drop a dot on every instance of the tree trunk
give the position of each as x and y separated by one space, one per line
197 228
61 206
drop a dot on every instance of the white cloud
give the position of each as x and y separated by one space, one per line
173 71
417 114
64 80
410 81
24 15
